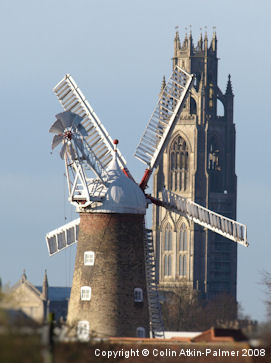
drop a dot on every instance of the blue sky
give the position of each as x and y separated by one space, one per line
118 51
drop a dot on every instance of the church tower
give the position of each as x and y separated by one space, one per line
199 164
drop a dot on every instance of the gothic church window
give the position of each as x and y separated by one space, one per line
167 265
183 238
167 255
197 80
214 157
183 249
178 180
220 108
193 106
168 238
214 166
182 265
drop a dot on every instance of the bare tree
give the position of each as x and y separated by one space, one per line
267 284
186 310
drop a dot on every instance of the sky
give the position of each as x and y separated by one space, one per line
118 51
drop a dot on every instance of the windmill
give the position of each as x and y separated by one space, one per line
103 191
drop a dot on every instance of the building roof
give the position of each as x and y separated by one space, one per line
212 335
220 335
56 293
26 283
181 334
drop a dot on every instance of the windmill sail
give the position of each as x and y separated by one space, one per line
62 237
164 117
100 145
215 222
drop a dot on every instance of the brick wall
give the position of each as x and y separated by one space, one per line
117 240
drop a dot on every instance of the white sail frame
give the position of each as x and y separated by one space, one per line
62 237
164 117
98 141
224 226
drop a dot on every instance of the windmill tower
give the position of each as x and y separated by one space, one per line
114 290
199 164
109 282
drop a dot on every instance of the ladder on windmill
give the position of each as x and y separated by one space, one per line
156 321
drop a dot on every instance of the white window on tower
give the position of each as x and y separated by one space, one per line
85 293
140 332
83 330
138 294
89 257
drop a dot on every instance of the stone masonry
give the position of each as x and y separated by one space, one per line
205 174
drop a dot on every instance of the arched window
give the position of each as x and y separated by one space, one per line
182 265
167 250
183 249
214 156
220 108
168 238
193 106
215 166
167 265
197 79
178 180
183 238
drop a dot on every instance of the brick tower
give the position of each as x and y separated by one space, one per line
108 295
199 164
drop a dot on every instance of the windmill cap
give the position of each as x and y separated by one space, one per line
123 194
